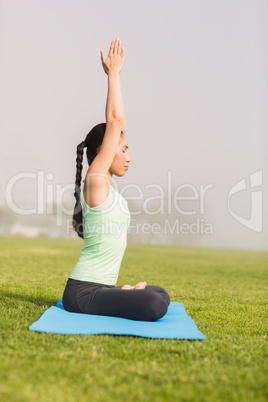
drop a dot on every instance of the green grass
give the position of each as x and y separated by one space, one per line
224 291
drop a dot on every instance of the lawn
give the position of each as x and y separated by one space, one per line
224 291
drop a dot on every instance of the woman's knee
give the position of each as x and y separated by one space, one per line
161 291
156 307
166 297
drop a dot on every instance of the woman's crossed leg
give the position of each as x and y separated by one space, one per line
148 304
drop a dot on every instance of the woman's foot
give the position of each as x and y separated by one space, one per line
127 287
139 285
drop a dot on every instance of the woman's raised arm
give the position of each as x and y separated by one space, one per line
112 67
115 113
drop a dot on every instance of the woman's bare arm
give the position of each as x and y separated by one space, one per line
115 114
114 105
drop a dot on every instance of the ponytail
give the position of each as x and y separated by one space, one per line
78 212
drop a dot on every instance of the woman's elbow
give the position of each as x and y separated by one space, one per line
118 120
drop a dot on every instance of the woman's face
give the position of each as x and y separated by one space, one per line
121 160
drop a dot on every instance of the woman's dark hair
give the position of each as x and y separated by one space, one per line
92 141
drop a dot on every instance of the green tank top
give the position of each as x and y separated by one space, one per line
105 241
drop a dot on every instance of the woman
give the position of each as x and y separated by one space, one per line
90 288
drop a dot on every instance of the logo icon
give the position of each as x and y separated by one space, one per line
255 220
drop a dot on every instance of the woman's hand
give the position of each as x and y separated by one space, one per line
114 62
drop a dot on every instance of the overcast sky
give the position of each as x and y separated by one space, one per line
195 91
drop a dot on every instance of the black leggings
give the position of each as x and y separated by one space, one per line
147 304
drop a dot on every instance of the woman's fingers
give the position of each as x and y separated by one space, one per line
111 48
119 48
116 45
123 53
115 58
115 48
102 56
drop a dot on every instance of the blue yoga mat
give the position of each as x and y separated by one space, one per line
175 324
